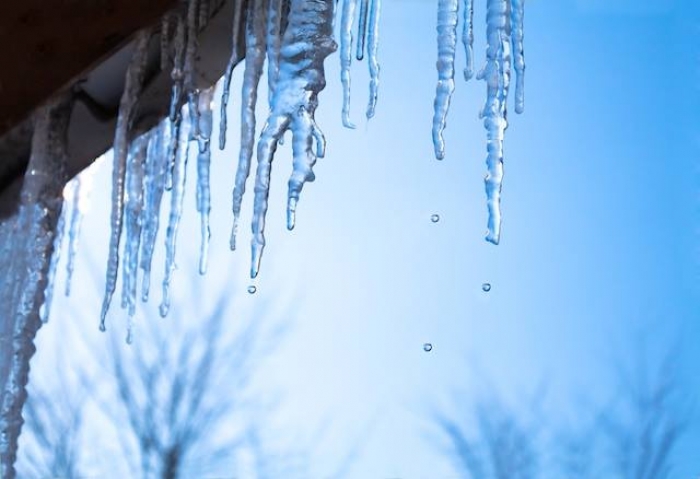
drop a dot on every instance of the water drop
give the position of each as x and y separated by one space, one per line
252 289
435 218
427 347
486 287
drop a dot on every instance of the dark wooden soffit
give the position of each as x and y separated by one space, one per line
44 44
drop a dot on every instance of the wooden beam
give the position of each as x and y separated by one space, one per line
44 44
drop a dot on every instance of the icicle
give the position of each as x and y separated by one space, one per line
133 206
203 161
239 9
254 60
45 311
447 44
496 73
153 186
362 29
177 73
346 19
29 236
132 90
516 16
372 47
81 192
185 45
193 17
172 144
468 37
307 41
274 42
176 200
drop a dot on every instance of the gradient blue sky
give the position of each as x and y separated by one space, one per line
598 261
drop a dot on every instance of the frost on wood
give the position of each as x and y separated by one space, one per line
27 242
504 34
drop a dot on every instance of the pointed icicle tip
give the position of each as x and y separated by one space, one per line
291 213
256 257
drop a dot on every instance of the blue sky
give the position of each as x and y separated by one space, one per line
598 259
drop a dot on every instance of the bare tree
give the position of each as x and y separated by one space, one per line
643 427
179 392
502 445
50 442
176 400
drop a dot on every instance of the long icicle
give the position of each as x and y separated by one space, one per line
372 48
362 29
132 90
153 186
274 42
133 208
346 20
516 14
203 164
76 219
176 200
254 61
468 38
307 41
496 73
176 98
45 312
447 45
237 55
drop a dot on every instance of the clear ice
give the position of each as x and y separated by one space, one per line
504 34
496 73
27 242
447 44
203 165
132 89
306 43
176 201
256 47
153 188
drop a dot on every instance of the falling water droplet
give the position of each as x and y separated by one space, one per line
427 347
435 218
252 289
486 287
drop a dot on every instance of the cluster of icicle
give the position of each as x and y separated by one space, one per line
504 34
148 165
295 37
